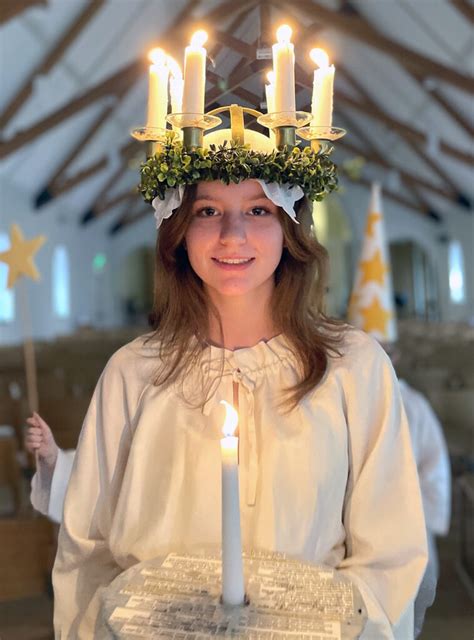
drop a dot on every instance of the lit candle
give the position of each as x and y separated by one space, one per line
233 592
176 85
157 89
284 67
323 87
270 97
195 74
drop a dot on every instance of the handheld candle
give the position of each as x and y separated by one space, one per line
233 592
323 86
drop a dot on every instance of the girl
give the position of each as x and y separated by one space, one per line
326 468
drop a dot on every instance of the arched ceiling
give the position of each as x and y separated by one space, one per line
74 83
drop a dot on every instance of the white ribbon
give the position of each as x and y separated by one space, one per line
282 195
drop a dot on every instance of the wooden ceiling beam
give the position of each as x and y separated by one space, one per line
110 87
53 187
49 60
368 108
113 84
12 8
359 29
465 8
391 195
416 147
93 169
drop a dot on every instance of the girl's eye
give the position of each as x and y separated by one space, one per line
259 211
207 212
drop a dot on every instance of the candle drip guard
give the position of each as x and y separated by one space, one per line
321 137
193 126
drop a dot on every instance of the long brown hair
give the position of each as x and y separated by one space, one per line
180 317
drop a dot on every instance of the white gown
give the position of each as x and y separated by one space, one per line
333 482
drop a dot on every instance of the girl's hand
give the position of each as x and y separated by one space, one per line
40 439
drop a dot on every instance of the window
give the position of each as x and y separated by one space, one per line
7 296
60 272
456 272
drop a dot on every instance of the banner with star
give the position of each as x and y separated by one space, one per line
19 259
371 305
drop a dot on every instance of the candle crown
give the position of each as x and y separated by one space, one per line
186 155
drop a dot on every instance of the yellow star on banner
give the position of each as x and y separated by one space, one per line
375 317
373 270
19 257
371 220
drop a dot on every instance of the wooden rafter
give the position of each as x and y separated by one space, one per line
92 169
110 87
410 185
360 29
55 183
11 8
395 197
465 8
416 147
420 77
128 218
50 60
368 108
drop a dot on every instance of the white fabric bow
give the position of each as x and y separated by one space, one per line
282 195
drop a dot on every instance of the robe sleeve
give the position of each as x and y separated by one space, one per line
84 564
48 487
386 549
433 466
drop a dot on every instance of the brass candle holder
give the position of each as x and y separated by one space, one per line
193 126
321 137
153 136
284 125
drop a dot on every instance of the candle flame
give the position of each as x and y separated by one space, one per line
174 67
284 34
157 56
198 38
231 419
319 57
271 77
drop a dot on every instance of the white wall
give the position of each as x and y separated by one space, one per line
403 224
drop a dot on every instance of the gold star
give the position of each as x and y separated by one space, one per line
371 220
19 256
375 317
373 270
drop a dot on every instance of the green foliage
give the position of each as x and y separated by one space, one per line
174 165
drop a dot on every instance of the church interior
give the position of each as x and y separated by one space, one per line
74 77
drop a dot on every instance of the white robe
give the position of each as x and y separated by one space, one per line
49 488
333 482
432 459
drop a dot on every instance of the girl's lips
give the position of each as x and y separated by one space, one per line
233 267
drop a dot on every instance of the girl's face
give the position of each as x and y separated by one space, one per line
235 240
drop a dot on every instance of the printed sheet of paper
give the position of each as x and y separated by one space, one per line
180 599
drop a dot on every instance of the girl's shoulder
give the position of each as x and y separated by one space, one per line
136 359
357 350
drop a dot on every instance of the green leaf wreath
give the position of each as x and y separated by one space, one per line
174 165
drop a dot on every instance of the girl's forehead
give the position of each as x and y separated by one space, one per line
248 189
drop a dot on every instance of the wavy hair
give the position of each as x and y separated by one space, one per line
181 310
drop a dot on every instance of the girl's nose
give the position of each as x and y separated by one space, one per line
233 229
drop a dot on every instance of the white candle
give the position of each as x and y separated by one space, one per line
284 67
157 90
195 74
176 85
233 592
323 87
270 97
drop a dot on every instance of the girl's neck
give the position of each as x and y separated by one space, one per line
244 322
